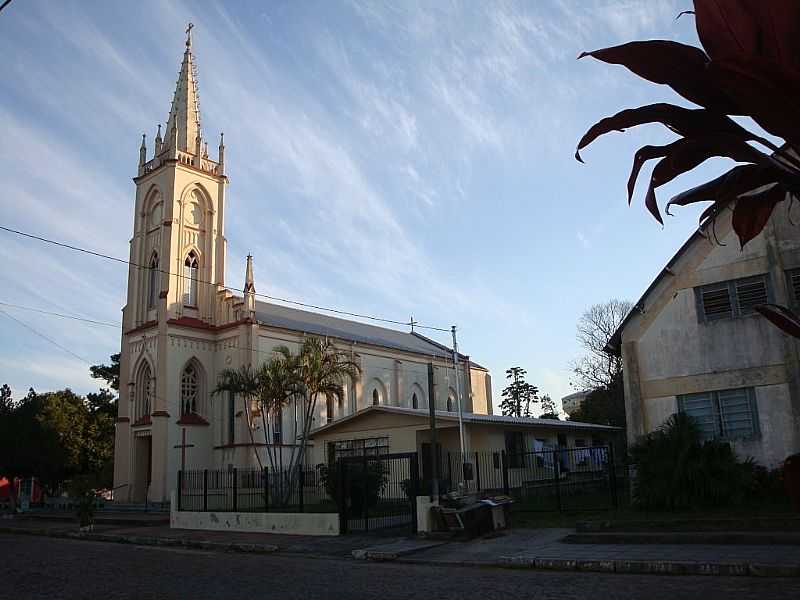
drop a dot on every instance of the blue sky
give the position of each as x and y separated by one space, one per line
393 159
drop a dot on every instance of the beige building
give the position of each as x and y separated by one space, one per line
694 344
182 326
574 401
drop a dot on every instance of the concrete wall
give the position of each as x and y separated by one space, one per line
285 523
669 351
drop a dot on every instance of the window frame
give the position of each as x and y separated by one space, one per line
718 416
736 311
794 294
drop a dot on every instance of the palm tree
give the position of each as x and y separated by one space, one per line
323 369
264 391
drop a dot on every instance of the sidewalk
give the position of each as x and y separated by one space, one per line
521 549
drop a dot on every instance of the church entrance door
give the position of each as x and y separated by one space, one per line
143 461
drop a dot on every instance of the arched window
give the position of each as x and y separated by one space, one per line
376 397
450 402
190 270
143 390
328 408
414 401
152 284
190 390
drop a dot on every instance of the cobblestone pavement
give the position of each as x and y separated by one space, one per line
41 567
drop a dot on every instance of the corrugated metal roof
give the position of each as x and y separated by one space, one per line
302 320
468 418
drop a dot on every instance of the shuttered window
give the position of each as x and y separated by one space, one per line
726 414
793 279
730 299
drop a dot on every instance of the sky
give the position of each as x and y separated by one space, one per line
394 159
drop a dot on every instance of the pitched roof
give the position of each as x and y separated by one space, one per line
473 418
284 317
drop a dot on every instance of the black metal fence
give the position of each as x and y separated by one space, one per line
378 492
556 479
254 490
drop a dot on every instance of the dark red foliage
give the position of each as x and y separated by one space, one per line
750 66
782 317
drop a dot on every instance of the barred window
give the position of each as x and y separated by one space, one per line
364 447
189 389
731 299
726 414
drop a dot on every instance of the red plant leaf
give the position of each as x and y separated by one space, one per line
747 29
687 153
751 213
679 66
763 92
782 317
683 121
642 155
725 188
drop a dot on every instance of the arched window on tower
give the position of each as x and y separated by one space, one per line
376 397
190 390
144 391
329 408
450 403
190 271
152 284
414 401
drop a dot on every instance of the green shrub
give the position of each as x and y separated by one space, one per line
675 469
352 491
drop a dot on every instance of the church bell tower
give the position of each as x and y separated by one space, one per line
178 246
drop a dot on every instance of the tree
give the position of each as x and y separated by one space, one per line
550 411
604 405
319 369
109 373
518 395
749 66
597 369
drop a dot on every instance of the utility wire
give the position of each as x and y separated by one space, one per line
274 298
4 4
63 316
43 336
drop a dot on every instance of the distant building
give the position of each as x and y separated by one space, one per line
573 402
694 344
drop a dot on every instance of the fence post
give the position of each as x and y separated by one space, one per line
556 477
235 489
341 495
301 480
266 489
180 489
205 490
504 467
365 486
477 472
414 491
612 476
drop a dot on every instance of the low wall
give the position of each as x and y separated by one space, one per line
287 523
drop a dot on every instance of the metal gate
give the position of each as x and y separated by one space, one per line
378 492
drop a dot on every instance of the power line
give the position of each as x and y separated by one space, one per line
268 297
4 4
43 336
63 316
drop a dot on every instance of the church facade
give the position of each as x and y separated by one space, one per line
182 326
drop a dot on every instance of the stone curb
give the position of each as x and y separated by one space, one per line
149 540
641 567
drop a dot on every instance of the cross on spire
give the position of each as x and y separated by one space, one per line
189 28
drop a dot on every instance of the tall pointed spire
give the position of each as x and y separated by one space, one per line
184 115
249 286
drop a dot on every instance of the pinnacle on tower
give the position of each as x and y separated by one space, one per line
249 286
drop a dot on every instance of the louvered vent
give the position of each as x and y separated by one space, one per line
750 293
717 304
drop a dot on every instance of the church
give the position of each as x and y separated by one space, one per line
181 326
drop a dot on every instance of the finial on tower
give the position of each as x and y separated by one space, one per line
189 28
249 287
221 157
143 152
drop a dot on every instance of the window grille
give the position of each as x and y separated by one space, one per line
726 414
